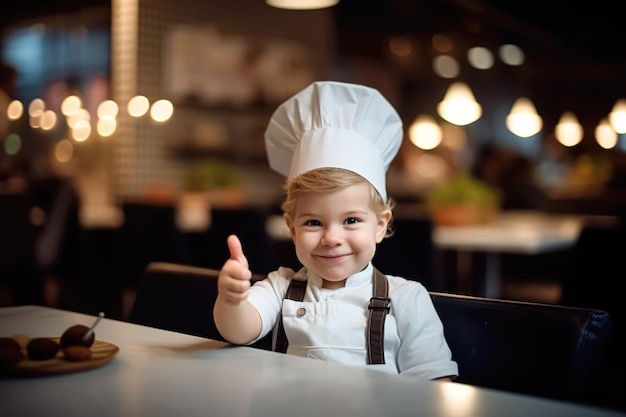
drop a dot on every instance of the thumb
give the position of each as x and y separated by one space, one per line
236 250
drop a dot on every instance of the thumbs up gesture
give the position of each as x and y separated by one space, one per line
234 278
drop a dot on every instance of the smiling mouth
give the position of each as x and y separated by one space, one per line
332 256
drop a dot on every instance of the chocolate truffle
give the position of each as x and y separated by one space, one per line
73 336
42 348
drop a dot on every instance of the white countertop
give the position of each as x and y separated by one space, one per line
161 373
519 232
523 232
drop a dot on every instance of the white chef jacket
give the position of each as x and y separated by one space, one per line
330 324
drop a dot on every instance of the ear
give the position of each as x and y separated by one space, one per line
381 226
290 225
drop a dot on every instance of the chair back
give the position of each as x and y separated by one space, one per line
180 298
539 349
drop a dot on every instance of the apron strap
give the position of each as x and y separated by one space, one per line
378 308
295 292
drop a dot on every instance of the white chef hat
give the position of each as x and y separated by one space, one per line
334 124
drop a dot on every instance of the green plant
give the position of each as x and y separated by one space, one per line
463 189
209 175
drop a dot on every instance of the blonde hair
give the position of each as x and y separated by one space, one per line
327 180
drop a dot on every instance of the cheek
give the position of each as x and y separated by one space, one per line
380 233
304 240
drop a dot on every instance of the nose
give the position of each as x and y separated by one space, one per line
332 236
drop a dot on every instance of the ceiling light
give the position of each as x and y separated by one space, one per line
568 131
425 132
302 4
605 135
523 119
617 117
459 106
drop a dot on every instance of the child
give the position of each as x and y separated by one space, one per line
334 142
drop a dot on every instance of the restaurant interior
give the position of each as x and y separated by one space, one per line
132 132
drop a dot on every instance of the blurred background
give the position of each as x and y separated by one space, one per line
132 130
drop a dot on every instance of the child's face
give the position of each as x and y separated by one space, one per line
336 233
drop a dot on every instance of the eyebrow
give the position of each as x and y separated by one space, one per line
347 214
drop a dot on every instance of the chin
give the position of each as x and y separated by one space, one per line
334 274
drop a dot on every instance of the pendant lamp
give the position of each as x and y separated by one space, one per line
617 117
568 130
425 132
459 106
605 135
523 119
301 4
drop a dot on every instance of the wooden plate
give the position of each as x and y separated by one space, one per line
101 354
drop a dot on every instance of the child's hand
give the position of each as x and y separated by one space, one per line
234 278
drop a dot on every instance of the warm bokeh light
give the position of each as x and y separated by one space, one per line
400 46
480 57
302 4
81 130
430 166
425 132
77 116
108 109
15 110
35 122
36 108
523 119
48 120
446 66
511 55
568 131
70 104
64 150
605 135
442 43
459 106
106 127
161 110
138 106
617 117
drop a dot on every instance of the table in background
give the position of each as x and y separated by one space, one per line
161 373
518 232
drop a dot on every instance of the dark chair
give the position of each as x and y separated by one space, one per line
18 273
410 252
538 349
592 279
180 298
543 350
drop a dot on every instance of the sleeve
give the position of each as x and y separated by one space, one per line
423 351
266 297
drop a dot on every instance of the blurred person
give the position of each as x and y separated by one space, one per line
334 142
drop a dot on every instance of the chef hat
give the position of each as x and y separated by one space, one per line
333 124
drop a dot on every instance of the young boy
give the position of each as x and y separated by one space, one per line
334 142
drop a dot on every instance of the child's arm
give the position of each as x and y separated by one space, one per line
236 319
